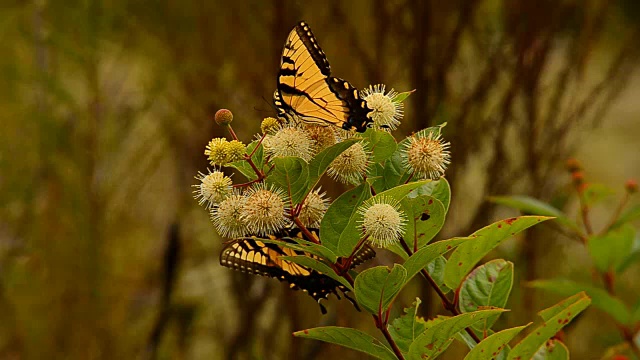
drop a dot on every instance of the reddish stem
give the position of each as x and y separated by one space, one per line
448 305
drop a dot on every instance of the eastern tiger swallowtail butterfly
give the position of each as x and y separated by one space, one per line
253 256
307 91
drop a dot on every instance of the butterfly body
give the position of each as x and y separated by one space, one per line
307 92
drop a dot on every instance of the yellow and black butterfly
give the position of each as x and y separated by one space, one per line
253 256
306 89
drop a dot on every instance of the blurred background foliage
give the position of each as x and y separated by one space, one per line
106 109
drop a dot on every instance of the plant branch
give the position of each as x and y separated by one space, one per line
616 214
385 331
448 305
308 234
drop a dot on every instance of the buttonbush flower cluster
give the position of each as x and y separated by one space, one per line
393 196
261 207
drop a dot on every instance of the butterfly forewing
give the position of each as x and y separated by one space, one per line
307 91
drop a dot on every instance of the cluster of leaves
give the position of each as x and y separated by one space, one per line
613 250
479 293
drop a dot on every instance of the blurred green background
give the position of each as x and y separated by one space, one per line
106 108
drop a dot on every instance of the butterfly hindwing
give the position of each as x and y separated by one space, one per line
307 91
253 256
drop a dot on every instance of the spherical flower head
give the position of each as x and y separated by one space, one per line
321 136
385 113
427 155
289 141
350 166
265 208
313 208
223 117
213 188
270 125
227 217
235 150
216 151
382 221
631 186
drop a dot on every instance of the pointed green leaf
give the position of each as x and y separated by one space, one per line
436 269
318 266
439 189
349 338
351 235
635 316
381 144
320 163
432 342
425 216
377 287
491 346
531 206
595 193
314 249
488 285
552 350
339 222
290 174
402 96
556 317
407 327
600 298
467 255
609 250
427 254
375 177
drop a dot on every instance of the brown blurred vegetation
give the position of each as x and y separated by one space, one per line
106 108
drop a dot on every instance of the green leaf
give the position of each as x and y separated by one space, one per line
314 249
291 174
635 316
351 236
320 163
432 342
349 338
381 144
493 344
467 255
436 269
339 222
421 258
552 350
243 165
631 259
375 177
595 193
556 317
531 206
627 216
600 298
402 96
488 285
439 189
377 287
425 216
318 266
402 191
609 250
407 327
